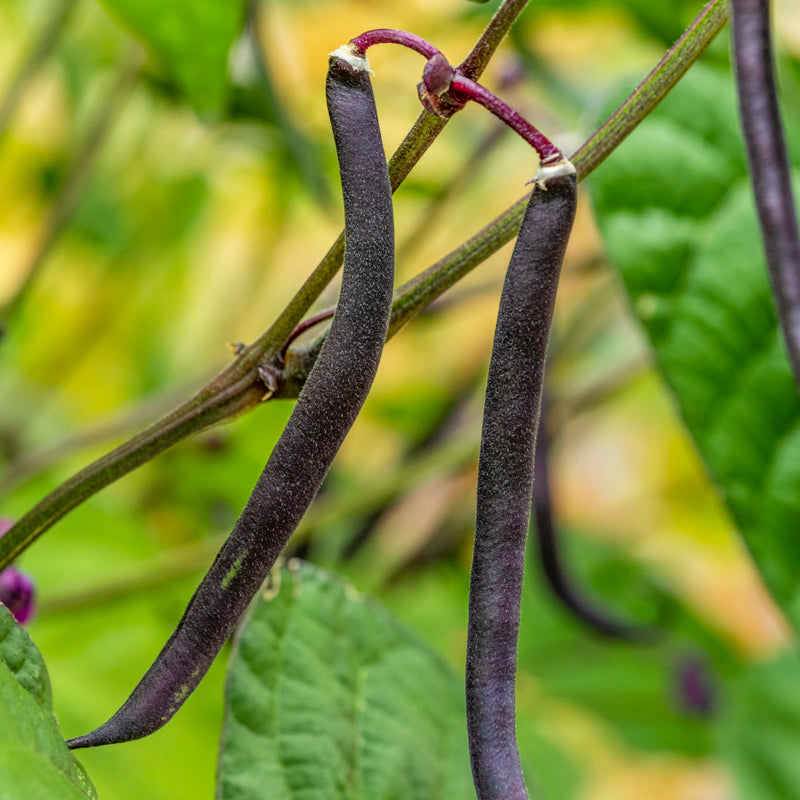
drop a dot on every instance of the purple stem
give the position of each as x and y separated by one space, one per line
305 325
466 89
769 166
440 77
392 36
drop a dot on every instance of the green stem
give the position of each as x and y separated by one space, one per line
418 293
220 401
421 136
37 55
240 387
23 467
475 63
421 291
652 90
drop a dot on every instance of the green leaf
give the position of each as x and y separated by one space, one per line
34 760
329 696
759 733
191 39
676 213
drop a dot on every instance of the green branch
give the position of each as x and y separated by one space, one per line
653 89
422 290
418 293
249 380
242 386
416 142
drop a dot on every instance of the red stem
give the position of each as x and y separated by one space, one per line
392 36
440 77
305 325
466 89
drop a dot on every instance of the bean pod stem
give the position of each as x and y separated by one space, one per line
769 165
505 483
327 407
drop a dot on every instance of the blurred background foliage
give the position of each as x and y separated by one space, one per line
139 235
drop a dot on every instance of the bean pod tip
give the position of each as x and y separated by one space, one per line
350 54
549 169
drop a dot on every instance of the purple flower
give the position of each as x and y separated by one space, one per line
16 588
16 594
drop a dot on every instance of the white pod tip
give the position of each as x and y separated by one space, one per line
556 169
350 54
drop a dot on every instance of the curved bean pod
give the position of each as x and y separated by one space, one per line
505 482
570 595
327 407
769 165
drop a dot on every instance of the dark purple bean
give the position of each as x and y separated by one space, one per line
551 560
769 166
505 481
327 407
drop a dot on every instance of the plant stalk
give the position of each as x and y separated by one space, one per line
240 387
653 89
421 136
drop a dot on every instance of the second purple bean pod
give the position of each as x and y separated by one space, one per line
505 481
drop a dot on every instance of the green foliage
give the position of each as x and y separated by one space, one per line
675 209
759 732
633 687
677 217
34 761
191 40
328 695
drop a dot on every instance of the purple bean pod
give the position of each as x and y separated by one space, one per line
327 407
769 164
552 562
505 481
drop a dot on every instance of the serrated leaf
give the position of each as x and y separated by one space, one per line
191 39
329 696
35 763
677 216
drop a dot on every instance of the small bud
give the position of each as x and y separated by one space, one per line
16 588
438 75
16 594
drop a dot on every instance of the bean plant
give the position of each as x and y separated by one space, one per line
326 693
